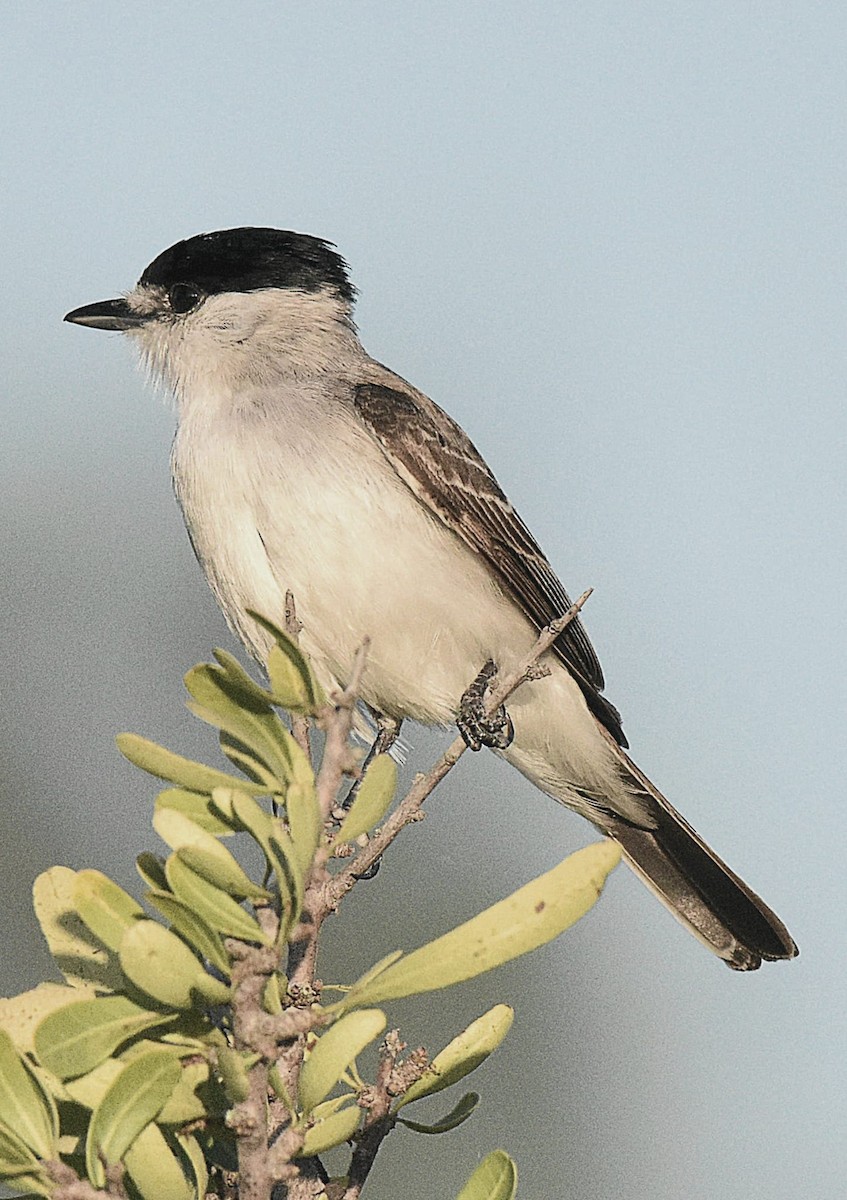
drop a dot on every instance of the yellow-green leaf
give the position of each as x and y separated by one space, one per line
19 1015
134 1099
332 1131
219 702
79 955
234 1074
25 1106
457 1116
334 1051
191 1149
215 907
198 808
155 1170
376 791
496 1178
192 928
304 821
19 1166
531 916
294 681
162 966
74 1039
106 909
463 1055
204 854
164 764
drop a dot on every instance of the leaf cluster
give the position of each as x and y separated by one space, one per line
138 1072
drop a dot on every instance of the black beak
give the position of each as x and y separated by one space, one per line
107 314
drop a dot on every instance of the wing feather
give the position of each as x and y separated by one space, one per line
445 471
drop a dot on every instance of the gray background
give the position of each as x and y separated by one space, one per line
609 238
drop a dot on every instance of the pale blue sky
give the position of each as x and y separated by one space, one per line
610 239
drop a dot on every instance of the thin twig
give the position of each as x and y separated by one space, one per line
299 723
379 1122
409 808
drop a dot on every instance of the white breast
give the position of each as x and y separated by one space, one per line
285 490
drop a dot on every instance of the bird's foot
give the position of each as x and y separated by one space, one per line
478 727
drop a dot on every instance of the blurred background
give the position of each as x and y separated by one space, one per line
610 240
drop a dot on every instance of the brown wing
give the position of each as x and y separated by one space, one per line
445 471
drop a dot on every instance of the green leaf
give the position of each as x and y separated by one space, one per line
292 680
234 1074
20 1015
457 1116
134 1099
332 1131
205 854
463 1055
531 916
277 846
496 1178
376 791
162 966
25 1106
154 1168
185 1105
79 955
334 1051
216 908
164 764
151 868
304 822
198 808
106 909
88 1090
245 682
191 1149
192 928
246 761
75 1038
19 1166
222 704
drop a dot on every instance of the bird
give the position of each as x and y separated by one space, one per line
304 466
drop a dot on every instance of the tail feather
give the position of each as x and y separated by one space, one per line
697 886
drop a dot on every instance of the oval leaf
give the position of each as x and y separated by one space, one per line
198 808
204 854
531 916
464 1054
164 764
19 1166
457 1116
106 909
304 821
334 1051
154 1168
376 791
79 955
24 1105
192 928
162 966
133 1100
20 1014
333 1131
75 1038
496 1178
286 648
216 908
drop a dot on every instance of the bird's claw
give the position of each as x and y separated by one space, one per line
478 727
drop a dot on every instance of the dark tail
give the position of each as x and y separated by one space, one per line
698 888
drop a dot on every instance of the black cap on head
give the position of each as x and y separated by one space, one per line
247 259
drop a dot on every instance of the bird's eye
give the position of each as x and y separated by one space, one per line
183 297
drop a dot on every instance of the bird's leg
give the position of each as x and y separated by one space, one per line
388 730
476 726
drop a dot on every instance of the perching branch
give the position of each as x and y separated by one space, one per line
409 809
